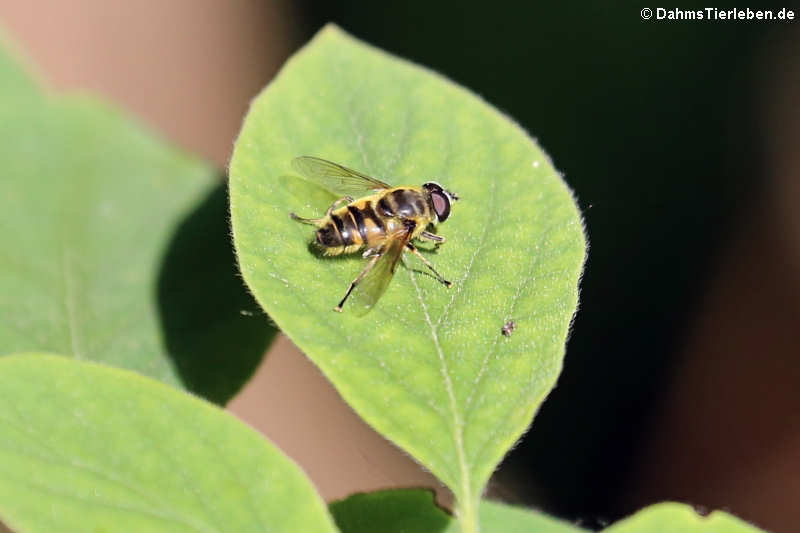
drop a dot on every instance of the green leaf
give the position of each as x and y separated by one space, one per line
85 447
116 248
398 511
679 518
501 518
428 368
392 511
16 83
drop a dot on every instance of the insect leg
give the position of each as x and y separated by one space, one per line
337 203
316 221
413 250
357 280
432 237
309 221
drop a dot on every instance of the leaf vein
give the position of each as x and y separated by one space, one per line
520 289
69 303
458 429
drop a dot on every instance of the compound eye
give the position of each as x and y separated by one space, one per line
441 204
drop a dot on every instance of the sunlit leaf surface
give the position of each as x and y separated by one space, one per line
428 367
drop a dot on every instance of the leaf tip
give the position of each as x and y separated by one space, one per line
332 31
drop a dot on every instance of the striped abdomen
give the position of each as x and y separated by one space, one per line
367 222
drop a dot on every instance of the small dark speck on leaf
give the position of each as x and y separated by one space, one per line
508 328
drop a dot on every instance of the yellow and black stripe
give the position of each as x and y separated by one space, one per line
368 221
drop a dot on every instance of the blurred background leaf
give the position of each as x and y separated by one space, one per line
85 447
680 518
414 510
428 367
116 247
392 511
18 84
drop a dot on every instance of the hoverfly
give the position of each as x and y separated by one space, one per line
381 218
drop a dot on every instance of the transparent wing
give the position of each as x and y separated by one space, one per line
337 179
367 293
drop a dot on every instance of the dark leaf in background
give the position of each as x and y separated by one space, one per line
90 203
414 510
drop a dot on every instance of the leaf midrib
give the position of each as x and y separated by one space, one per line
458 433
357 131
69 304
457 421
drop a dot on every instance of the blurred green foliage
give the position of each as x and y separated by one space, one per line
86 447
116 247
